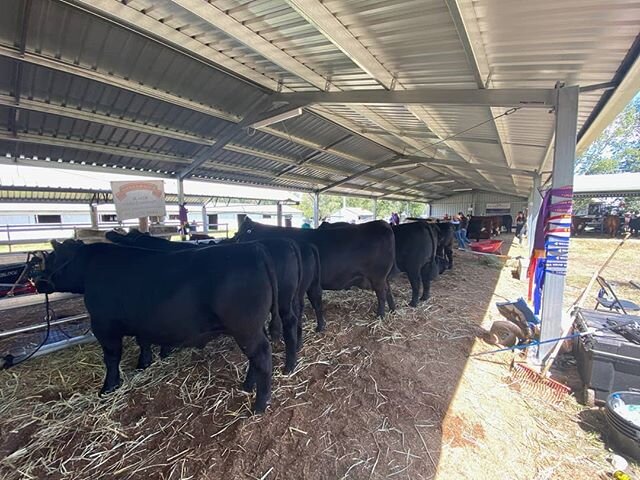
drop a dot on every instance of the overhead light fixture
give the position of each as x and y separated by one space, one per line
462 189
296 112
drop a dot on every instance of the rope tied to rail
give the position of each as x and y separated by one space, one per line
10 360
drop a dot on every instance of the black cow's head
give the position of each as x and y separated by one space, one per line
61 270
245 230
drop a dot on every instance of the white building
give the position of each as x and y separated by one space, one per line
351 215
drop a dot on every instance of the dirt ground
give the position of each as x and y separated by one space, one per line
392 398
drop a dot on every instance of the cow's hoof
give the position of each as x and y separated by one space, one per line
259 409
107 389
320 328
288 369
413 303
143 365
424 299
165 352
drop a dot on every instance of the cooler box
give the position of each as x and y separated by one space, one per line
607 362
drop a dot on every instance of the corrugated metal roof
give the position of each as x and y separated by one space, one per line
153 84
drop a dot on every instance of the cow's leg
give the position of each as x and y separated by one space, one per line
414 280
146 354
165 351
258 350
390 300
426 275
381 294
290 328
315 297
112 350
449 253
300 315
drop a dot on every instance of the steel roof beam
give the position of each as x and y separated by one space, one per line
479 66
95 147
144 25
318 15
101 118
497 97
114 81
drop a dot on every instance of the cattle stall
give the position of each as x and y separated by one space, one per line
479 102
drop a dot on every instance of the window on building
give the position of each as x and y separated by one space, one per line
213 221
48 218
266 216
109 218
174 217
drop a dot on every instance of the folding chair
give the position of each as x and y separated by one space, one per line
609 300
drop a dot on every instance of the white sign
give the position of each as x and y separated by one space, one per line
498 206
139 198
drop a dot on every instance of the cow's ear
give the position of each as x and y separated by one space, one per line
55 244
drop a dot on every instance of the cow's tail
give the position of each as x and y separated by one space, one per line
435 241
275 327
296 250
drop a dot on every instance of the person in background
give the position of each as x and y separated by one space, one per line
520 221
183 228
464 223
395 219
455 221
306 224
446 218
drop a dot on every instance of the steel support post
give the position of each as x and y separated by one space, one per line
535 200
554 318
279 213
316 209
205 220
180 181
375 208
93 212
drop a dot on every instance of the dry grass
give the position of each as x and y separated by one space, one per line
392 398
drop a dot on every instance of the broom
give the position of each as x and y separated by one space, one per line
540 382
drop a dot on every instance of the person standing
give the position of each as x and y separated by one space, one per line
520 222
184 221
464 223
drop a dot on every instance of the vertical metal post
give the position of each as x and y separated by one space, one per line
180 191
344 202
375 208
279 213
535 200
9 238
316 209
205 220
183 237
553 322
93 212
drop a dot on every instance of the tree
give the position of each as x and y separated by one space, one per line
330 204
617 149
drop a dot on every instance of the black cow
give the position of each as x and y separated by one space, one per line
445 234
181 298
288 267
484 227
415 254
507 222
416 247
634 226
362 256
